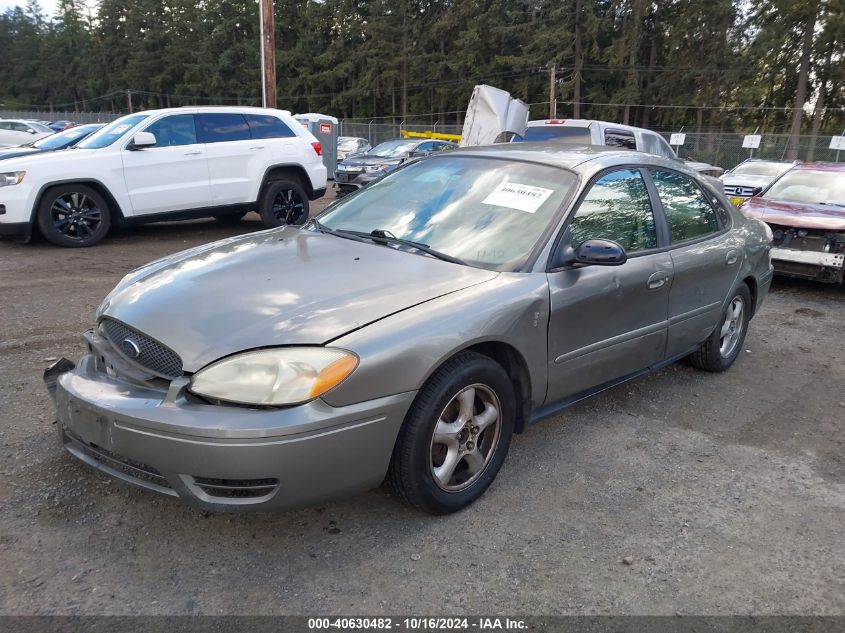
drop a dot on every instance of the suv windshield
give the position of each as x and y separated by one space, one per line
761 168
579 135
484 211
112 132
393 149
806 185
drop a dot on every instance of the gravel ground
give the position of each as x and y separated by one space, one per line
682 492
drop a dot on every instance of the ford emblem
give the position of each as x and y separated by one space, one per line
130 348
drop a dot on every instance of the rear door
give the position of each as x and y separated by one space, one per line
236 161
610 321
173 174
706 258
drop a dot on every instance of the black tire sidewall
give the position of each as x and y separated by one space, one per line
422 420
265 209
714 359
45 221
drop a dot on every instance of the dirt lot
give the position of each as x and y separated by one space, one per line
727 491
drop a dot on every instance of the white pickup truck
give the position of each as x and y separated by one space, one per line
589 132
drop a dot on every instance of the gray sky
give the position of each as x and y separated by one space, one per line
49 6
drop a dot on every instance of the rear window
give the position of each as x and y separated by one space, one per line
220 127
620 138
267 126
559 133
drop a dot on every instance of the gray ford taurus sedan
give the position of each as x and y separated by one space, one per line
408 331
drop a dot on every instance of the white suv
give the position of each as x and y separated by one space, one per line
173 164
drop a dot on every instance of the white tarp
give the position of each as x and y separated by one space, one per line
493 116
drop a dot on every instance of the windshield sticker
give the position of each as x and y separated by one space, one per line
516 196
120 129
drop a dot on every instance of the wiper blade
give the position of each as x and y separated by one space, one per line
386 237
349 235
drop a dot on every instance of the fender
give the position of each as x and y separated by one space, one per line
313 194
113 204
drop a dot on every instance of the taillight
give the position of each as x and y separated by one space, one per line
555 121
317 148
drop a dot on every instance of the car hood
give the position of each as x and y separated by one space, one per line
798 214
15 152
364 159
280 287
746 180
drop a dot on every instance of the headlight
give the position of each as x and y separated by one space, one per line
281 376
376 167
11 178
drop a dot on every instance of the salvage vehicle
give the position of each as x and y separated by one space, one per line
358 171
351 146
407 332
590 132
162 165
751 176
14 132
805 209
55 142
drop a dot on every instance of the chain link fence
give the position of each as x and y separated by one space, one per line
723 149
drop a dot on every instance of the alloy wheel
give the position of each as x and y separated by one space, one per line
76 215
288 207
734 322
465 437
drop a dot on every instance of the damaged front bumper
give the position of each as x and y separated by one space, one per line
808 253
216 457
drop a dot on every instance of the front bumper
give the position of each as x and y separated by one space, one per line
15 211
224 458
345 183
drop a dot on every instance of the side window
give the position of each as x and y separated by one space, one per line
439 147
171 131
616 207
428 146
20 127
654 144
219 127
688 212
267 126
5 125
620 138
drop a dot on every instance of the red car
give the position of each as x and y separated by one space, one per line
805 209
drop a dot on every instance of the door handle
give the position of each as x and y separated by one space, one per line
658 279
731 258
194 153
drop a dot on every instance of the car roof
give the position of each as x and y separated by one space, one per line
204 109
585 123
821 166
570 156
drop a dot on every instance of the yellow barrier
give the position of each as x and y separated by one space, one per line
436 135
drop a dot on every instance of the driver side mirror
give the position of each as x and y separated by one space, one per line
142 140
30 130
600 253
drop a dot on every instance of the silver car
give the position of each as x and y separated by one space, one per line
405 334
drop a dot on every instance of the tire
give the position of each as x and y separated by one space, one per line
73 216
418 472
283 202
230 219
726 342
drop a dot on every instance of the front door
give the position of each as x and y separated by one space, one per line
609 321
173 174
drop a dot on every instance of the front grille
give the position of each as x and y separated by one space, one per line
236 488
739 191
153 356
124 465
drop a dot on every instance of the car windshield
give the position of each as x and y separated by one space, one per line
484 211
393 149
808 185
761 169
559 133
64 139
112 132
347 144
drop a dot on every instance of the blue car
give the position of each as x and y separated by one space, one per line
60 140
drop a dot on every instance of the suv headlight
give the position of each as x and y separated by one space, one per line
10 178
280 376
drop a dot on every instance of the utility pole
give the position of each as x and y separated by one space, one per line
552 90
268 53
129 100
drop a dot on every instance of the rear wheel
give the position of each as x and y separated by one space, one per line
455 436
283 202
724 345
73 216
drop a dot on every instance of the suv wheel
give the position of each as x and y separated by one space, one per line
73 216
283 202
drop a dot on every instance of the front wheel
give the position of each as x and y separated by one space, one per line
73 216
455 437
283 202
724 345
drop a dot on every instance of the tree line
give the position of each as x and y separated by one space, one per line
717 65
